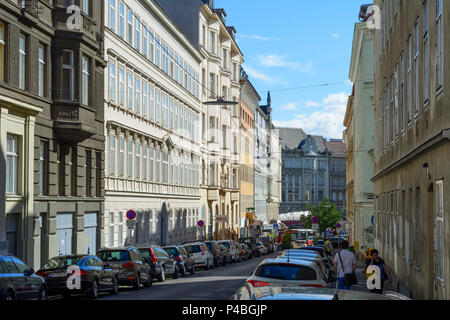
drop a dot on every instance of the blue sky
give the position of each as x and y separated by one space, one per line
298 43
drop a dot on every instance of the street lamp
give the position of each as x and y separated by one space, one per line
220 101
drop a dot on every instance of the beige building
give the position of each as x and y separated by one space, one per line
412 147
359 135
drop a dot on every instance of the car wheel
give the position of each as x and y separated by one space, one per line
162 275
10 296
43 294
93 293
176 272
183 271
137 284
115 286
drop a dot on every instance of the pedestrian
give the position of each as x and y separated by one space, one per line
344 263
375 260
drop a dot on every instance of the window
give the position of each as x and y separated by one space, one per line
41 70
43 168
138 160
211 85
165 166
85 6
416 68
224 137
152 103
171 114
122 20
158 107
211 42
112 15
410 82
145 41
152 47
145 99
130 91
439 46
85 81
426 56
88 172
138 95
121 86
111 229
112 81
151 164
176 67
22 61
158 167
130 158
224 58
144 162
112 155
121 157
130 28
138 35
12 162
164 110
440 231
158 52
2 52
402 92
120 232
396 115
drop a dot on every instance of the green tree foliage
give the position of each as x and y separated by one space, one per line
327 213
286 242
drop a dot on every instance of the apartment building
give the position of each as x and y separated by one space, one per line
249 102
274 178
219 73
51 123
411 179
360 137
152 127
337 183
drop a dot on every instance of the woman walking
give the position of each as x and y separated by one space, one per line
375 260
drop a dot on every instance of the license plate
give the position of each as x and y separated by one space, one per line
57 275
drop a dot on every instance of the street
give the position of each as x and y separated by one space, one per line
214 284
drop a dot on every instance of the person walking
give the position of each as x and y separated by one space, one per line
344 263
375 260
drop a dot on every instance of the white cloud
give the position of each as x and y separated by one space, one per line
253 73
312 104
328 121
274 60
257 37
336 35
290 106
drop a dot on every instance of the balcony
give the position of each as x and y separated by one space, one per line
72 122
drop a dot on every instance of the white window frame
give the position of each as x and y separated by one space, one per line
121 29
122 75
41 70
130 158
416 67
112 154
145 98
440 240
85 79
130 26
137 39
137 167
121 156
137 91
112 15
439 50
112 81
22 61
130 96
12 158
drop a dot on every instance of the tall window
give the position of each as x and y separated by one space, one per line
439 46
130 90
121 86
151 163
130 27
145 41
158 107
211 85
138 35
158 167
122 20
88 172
68 76
165 166
121 157
22 61
224 137
43 165
410 82
152 103
402 92
164 110
158 52
112 15
12 162
120 232
426 56
112 155
130 158
111 229
171 114
85 81
41 70
152 47
138 95
440 231
224 58
211 42
416 67
112 81
144 162
85 6
2 52
138 160
145 99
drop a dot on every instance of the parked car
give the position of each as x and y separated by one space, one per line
242 251
251 242
326 256
227 253
231 247
202 257
248 251
219 256
161 264
18 281
279 272
262 248
249 292
325 271
129 264
95 276
268 243
185 260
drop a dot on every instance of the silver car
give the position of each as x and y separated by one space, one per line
201 254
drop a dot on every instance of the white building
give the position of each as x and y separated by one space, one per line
152 114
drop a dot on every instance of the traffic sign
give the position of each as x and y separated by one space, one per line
315 220
201 223
131 224
131 214
315 226
338 225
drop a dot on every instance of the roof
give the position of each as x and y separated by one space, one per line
291 137
293 261
336 147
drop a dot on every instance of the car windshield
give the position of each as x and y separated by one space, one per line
144 252
286 272
114 255
193 249
62 262
226 244
173 252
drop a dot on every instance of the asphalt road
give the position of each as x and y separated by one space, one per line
214 284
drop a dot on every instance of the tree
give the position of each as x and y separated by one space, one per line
286 243
327 213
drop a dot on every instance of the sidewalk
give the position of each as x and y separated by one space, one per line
362 281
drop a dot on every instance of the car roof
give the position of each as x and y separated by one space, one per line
298 262
116 248
72 256
198 243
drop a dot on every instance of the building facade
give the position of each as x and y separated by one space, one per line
219 73
338 179
262 161
411 172
305 170
359 122
274 178
55 150
249 102
152 127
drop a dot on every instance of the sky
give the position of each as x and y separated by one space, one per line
302 44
